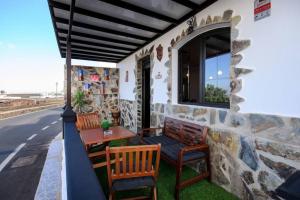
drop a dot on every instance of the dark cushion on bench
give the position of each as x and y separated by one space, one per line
163 140
132 183
172 152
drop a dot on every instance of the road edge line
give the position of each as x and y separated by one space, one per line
10 156
31 137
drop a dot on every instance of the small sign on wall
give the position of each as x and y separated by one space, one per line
262 9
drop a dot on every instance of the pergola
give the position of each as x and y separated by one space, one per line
111 30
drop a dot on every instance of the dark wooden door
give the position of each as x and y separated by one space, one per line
146 96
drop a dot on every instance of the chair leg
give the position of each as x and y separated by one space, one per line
178 177
112 196
208 167
154 193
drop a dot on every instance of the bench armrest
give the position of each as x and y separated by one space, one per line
201 147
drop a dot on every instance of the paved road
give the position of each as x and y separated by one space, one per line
24 143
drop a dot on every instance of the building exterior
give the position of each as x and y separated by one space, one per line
255 144
228 65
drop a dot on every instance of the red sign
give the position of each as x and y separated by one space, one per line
262 9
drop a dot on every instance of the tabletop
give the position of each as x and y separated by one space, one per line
93 136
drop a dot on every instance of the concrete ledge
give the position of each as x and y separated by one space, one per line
50 185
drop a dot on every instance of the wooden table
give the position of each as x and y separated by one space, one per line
96 136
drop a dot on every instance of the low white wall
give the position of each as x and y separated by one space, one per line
273 86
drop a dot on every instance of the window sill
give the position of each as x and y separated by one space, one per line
204 105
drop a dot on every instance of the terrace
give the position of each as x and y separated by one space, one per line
181 60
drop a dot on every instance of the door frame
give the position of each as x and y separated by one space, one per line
146 61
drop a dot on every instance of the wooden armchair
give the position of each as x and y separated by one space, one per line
88 121
133 167
91 121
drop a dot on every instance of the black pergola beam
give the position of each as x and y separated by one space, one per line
187 3
182 19
97 37
101 29
92 57
98 44
84 57
93 14
54 26
140 10
94 54
95 59
89 49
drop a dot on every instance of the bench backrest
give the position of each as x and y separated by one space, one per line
185 132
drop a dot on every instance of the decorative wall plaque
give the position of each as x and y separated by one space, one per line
94 77
159 52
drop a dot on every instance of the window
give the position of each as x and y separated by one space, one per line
204 69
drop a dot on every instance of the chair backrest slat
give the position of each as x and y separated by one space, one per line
134 161
144 154
130 162
137 162
117 164
88 121
149 164
124 166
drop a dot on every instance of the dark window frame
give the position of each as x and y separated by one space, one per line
200 101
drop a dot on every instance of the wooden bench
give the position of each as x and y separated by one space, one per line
182 143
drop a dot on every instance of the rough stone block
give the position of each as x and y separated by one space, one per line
262 122
239 45
279 149
247 154
227 15
222 115
282 169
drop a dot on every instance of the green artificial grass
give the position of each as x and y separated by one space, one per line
166 185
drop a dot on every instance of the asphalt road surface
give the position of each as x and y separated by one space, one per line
24 142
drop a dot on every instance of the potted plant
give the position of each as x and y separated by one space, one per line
79 101
105 124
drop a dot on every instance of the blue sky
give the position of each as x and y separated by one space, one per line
29 56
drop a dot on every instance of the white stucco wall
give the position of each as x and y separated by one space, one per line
273 86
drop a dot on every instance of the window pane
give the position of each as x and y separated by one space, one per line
190 62
204 69
217 68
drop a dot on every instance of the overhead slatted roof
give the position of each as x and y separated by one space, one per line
111 30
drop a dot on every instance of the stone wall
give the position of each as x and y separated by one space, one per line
251 154
128 114
102 95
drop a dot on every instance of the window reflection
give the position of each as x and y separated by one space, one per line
216 67
204 69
